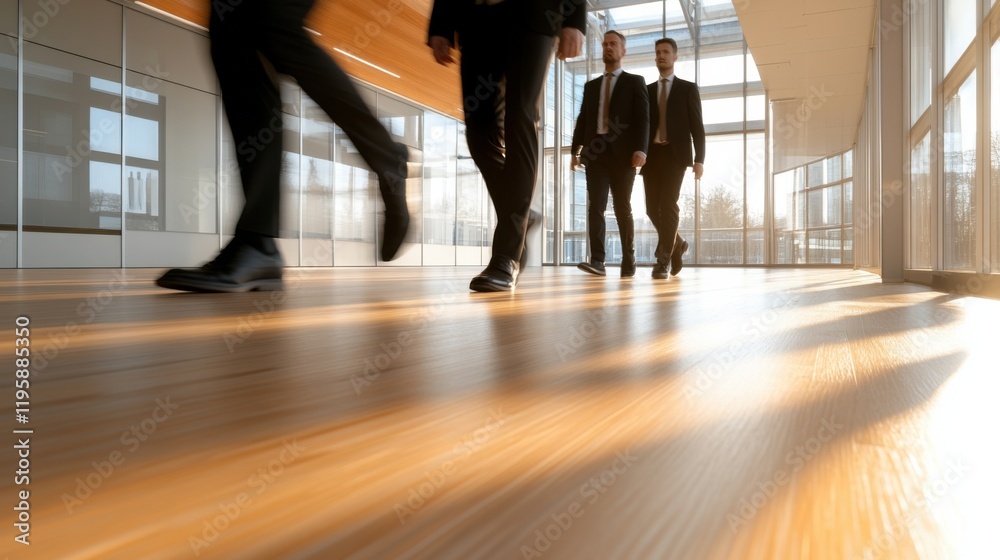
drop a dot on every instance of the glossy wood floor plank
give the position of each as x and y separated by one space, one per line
390 413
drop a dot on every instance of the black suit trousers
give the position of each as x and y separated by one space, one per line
240 35
503 71
662 177
605 174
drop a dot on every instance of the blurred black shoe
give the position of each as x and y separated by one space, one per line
628 266
593 267
244 265
499 276
676 258
392 185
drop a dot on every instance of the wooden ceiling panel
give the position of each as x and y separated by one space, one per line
390 34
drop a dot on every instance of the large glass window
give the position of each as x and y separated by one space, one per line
812 212
721 202
921 226
959 29
960 129
921 58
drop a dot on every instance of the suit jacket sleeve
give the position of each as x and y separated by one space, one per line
641 116
443 20
697 125
580 129
575 14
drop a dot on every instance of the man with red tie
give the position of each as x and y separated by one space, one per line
675 124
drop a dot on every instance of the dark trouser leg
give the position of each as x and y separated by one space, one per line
598 186
663 180
502 90
622 181
293 52
253 108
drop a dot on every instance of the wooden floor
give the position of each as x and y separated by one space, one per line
390 413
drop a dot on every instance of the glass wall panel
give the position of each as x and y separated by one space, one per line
721 201
921 57
960 129
91 29
995 156
8 18
8 134
755 179
784 200
318 171
471 193
170 164
824 207
848 206
959 29
921 200
722 110
825 247
723 68
72 141
440 188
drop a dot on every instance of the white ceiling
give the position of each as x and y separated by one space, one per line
813 58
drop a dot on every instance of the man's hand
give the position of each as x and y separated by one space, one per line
570 43
442 50
699 169
638 159
574 163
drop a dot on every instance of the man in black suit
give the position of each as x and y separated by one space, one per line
506 48
675 122
242 33
610 140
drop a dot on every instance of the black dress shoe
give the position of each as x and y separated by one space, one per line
397 216
628 266
593 267
660 272
534 220
240 267
499 276
676 258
